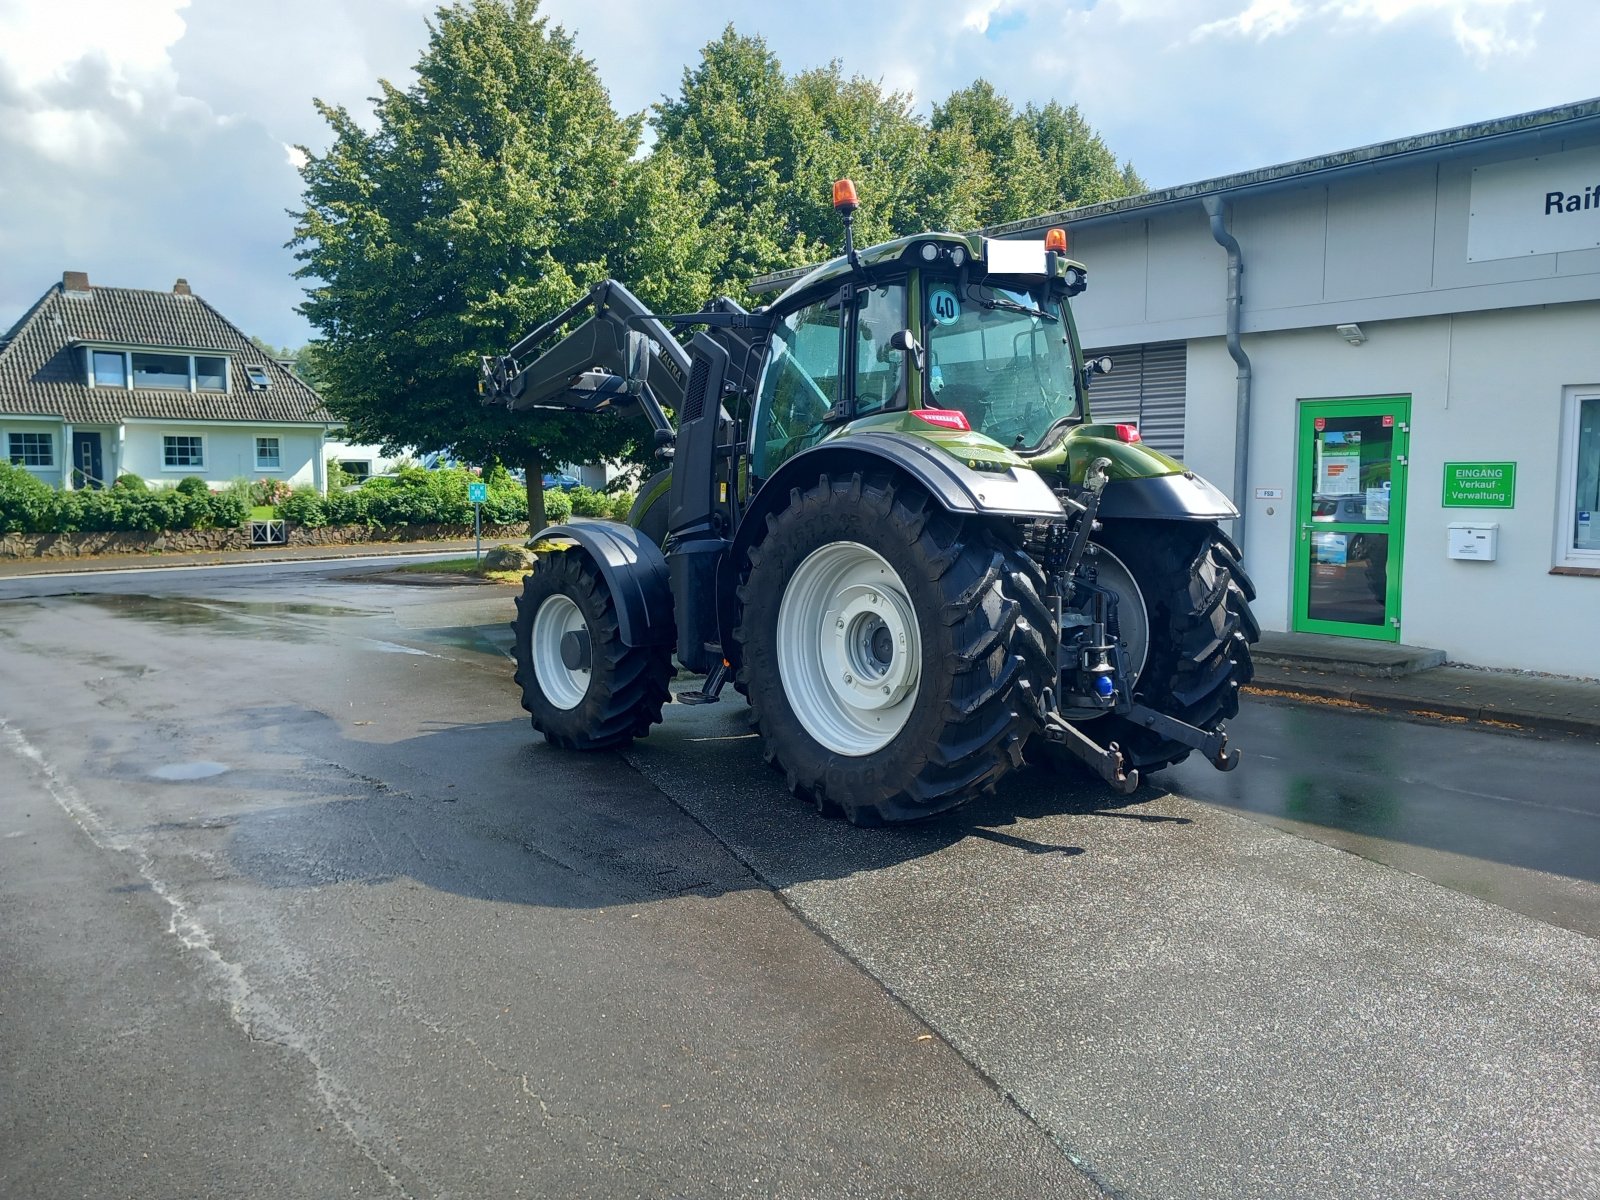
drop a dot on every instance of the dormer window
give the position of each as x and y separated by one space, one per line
165 370
258 376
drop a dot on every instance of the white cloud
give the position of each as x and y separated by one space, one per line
1483 29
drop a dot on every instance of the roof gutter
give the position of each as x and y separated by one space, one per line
1217 211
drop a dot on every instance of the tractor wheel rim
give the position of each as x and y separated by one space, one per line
849 651
564 686
1133 619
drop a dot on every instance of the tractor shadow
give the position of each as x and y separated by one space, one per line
488 811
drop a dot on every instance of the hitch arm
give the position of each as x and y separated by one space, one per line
1105 761
1213 745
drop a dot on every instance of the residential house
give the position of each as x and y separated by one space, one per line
97 382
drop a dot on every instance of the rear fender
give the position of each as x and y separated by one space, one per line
634 570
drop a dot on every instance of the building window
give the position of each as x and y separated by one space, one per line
32 450
167 371
110 368
268 455
1579 539
181 451
210 374
258 376
356 468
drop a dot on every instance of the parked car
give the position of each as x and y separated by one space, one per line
1332 508
559 482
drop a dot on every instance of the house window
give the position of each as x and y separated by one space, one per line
210 374
32 450
181 451
356 468
110 368
258 376
168 371
268 455
1579 542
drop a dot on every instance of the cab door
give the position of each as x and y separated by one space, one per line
1350 506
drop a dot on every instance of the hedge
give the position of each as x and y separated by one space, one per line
29 506
412 497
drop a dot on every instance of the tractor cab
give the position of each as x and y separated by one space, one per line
940 333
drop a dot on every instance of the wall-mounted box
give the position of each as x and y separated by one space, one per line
1475 542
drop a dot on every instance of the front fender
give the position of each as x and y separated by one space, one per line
634 570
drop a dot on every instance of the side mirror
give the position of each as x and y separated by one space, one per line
904 339
1095 366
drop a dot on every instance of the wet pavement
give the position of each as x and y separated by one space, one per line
292 903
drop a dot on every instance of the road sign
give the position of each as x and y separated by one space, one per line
477 492
1480 485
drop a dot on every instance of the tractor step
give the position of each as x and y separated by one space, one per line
712 691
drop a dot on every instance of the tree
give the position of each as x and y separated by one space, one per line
489 195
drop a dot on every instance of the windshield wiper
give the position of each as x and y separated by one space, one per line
1013 306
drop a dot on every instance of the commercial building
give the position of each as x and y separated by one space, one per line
1390 358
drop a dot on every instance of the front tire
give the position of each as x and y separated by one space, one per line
1194 600
583 688
893 653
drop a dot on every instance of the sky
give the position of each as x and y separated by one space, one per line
144 140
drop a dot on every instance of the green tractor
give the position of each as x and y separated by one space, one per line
890 520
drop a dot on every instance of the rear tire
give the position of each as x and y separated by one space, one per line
1196 599
592 698
893 653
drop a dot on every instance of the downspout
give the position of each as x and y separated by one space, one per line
1217 210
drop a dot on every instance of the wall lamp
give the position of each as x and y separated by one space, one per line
1351 334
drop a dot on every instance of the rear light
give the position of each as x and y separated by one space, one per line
946 418
1127 433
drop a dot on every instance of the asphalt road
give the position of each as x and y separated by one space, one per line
292 903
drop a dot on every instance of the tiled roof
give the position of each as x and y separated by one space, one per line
42 370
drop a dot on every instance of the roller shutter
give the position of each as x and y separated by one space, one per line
1145 388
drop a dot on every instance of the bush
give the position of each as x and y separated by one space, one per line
224 510
557 507
131 482
193 485
347 508
269 491
26 505
586 502
622 504
304 506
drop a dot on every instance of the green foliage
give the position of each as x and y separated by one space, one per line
304 506
586 502
131 481
193 485
774 143
269 491
26 505
485 197
557 507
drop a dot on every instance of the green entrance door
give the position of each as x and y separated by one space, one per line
1350 505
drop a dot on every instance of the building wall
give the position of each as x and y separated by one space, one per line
1485 386
229 453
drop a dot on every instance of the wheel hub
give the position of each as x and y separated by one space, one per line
862 646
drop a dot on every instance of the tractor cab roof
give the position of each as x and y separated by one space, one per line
991 256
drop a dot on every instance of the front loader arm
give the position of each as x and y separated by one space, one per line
620 351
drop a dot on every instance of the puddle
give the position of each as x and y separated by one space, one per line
177 772
290 619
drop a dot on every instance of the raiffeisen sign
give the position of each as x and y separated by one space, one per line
1541 205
